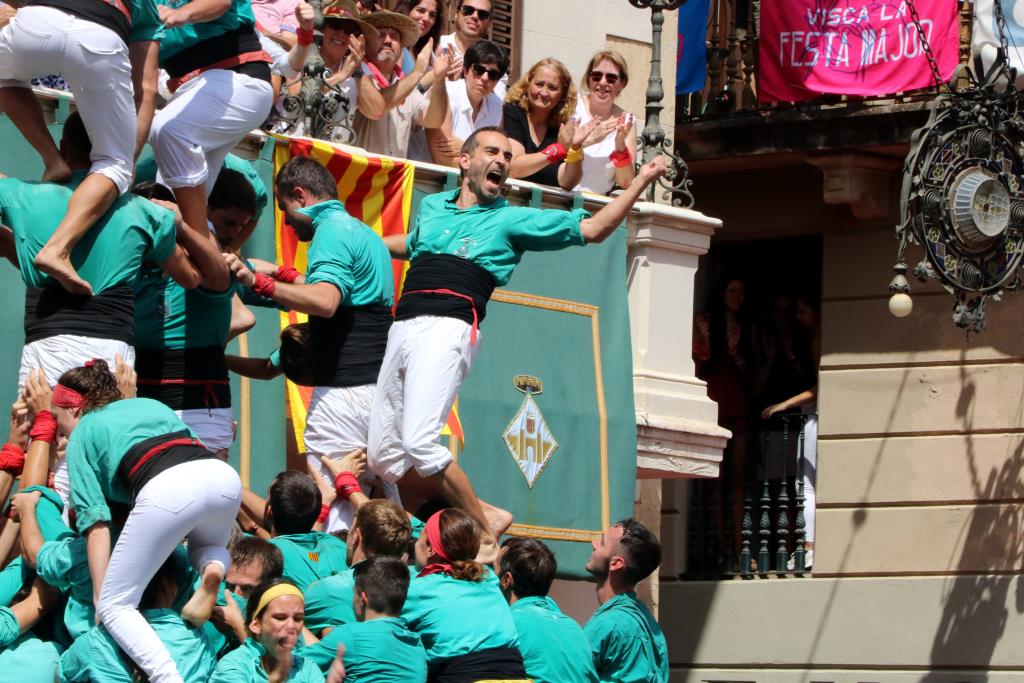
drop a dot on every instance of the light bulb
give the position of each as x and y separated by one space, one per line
900 304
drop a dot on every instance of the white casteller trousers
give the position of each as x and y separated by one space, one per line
426 360
206 117
336 425
196 500
94 61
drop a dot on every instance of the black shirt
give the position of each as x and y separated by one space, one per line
518 128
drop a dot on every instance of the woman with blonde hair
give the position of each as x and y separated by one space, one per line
611 160
546 144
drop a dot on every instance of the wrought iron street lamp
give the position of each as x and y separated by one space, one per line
676 182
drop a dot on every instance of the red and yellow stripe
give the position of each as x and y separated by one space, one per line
377 191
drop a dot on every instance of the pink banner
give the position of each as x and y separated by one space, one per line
852 47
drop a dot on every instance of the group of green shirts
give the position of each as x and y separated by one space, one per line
621 642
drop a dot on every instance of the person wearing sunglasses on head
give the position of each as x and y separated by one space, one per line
610 150
473 20
472 103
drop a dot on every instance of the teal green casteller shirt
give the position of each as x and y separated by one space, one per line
626 642
553 645
146 24
329 601
29 660
96 657
132 231
145 169
311 557
348 254
376 651
179 38
494 236
168 316
98 444
454 617
243 665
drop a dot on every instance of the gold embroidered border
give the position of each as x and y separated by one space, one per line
592 312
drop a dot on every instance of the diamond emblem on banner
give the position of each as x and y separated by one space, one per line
528 437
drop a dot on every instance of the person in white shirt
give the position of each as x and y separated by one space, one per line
473 21
472 102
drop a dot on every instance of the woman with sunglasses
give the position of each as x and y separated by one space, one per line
611 160
274 619
546 143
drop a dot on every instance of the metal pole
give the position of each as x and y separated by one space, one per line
653 142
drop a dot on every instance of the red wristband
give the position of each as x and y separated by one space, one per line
305 37
264 285
621 159
44 427
286 274
12 459
325 511
346 484
555 153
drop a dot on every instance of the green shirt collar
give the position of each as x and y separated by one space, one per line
540 601
323 210
453 197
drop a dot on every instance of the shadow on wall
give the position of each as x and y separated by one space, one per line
975 610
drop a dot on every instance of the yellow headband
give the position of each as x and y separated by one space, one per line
276 592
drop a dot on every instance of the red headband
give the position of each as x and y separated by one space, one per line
64 397
433 531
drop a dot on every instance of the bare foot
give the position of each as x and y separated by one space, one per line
498 519
488 553
57 171
199 607
58 266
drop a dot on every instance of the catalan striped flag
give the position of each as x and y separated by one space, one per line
377 191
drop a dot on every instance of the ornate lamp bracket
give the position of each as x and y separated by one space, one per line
676 183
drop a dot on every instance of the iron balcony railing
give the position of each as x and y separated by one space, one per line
732 73
770 537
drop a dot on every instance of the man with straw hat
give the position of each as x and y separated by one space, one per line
386 129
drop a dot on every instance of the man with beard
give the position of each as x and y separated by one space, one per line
180 334
385 128
347 291
465 243
625 640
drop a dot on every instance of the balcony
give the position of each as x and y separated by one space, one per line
726 120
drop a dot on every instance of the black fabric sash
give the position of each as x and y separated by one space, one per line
160 462
50 311
348 348
497 663
183 379
444 271
97 11
230 44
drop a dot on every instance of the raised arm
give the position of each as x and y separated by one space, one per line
603 223
398 246
201 263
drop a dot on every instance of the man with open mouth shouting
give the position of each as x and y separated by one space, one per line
465 243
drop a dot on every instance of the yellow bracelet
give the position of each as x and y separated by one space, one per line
574 156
